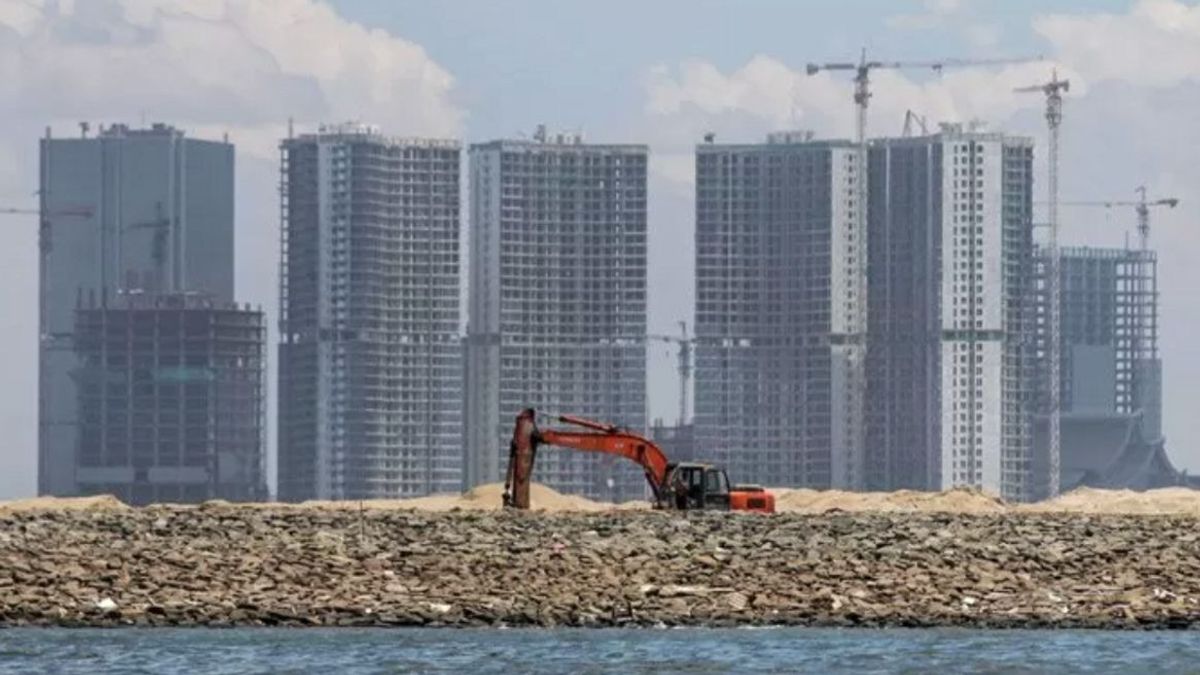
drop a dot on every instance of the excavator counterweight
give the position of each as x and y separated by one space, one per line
680 486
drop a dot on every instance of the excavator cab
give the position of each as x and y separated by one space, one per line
697 487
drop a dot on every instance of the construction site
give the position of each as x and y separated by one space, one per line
557 309
170 399
871 314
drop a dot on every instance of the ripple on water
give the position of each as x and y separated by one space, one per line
353 651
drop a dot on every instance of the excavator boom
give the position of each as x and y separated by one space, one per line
683 486
607 439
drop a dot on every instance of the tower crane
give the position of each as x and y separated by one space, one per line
45 242
45 337
1053 91
1138 331
1141 207
857 305
161 226
685 364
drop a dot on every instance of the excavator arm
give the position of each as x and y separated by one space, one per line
603 438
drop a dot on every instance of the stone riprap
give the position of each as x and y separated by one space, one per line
243 565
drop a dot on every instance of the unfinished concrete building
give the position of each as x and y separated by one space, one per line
774 256
171 399
370 359
1109 332
1111 369
557 317
128 209
951 318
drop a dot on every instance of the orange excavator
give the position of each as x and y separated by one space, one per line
681 486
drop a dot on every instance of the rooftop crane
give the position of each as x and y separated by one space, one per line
1138 330
856 304
1053 90
1141 207
161 225
909 118
685 364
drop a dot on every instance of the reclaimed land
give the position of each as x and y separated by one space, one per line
99 563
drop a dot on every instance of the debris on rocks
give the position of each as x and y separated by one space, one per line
228 564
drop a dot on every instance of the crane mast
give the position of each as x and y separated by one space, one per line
45 246
685 371
857 319
684 358
1139 345
1053 91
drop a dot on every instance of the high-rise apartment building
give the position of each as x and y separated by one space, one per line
774 299
370 358
557 318
171 398
951 383
139 210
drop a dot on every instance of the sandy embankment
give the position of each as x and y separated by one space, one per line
1164 501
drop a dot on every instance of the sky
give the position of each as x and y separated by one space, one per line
660 72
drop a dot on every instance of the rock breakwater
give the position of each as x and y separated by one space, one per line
241 565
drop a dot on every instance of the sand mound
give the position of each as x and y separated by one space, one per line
960 500
482 498
1164 501
97 503
1175 500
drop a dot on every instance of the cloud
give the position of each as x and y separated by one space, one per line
1156 44
242 64
210 67
934 15
766 94
952 15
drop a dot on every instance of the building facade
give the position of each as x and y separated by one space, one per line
557 318
951 363
370 359
171 399
1110 352
146 210
677 441
775 285
1111 376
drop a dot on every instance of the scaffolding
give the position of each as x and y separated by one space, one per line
557 301
370 357
1110 301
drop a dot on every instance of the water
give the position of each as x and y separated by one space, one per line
353 651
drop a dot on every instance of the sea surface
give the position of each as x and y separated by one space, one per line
351 651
